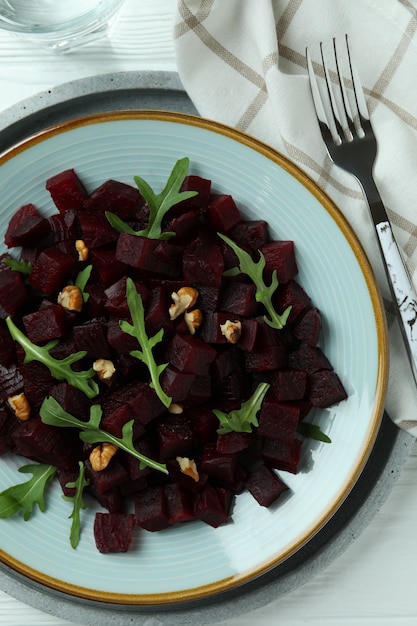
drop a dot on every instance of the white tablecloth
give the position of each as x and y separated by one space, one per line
373 581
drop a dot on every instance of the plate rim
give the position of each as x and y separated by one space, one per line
344 226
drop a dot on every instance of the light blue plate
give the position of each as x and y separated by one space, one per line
196 561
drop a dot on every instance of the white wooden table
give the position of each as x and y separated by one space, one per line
373 582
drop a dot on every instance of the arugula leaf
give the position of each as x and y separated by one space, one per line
264 293
312 431
52 413
24 496
137 329
18 266
241 420
158 204
82 280
60 368
78 504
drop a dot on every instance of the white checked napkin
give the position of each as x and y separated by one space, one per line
242 62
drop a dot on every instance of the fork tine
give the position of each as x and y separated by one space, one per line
348 121
338 119
317 100
362 107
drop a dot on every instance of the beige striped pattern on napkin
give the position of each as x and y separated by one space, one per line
242 63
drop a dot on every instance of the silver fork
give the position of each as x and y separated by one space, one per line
346 129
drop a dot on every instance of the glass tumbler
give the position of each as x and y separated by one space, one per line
58 25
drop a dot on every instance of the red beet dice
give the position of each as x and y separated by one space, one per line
26 211
67 191
211 327
122 342
183 226
13 292
199 202
7 352
251 234
220 466
204 425
190 354
233 442
281 455
139 399
212 505
29 232
293 295
278 420
50 270
11 381
113 531
325 388
179 504
200 391
175 437
114 475
37 382
176 384
8 424
45 324
203 264
270 358
116 301
106 269
265 486
231 388
307 328
64 227
239 299
92 337
151 509
71 399
280 257
308 358
223 213
288 385
114 196
96 230
149 255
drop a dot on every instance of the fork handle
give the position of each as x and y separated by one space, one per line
402 288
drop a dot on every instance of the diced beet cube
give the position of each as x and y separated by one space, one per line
265 486
67 191
139 399
212 505
200 391
113 531
65 477
45 324
220 466
29 232
325 388
250 234
175 437
64 227
190 354
11 381
8 424
308 358
119 417
209 296
281 455
114 475
249 331
293 295
288 385
176 384
46 444
157 313
226 361
223 213
122 342
239 299
111 500
50 270
115 196
72 400
183 226
7 352
37 382
92 337
199 202
270 358
230 389
307 328
179 504
202 264
149 255
280 257
96 300
210 330
26 211
230 443
151 509
204 425
13 292
96 230
116 301
106 268
278 420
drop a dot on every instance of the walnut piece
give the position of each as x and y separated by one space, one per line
184 299
105 370
188 467
231 330
20 406
82 250
193 319
71 298
101 456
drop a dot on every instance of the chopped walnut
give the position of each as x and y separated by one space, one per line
20 406
105 370
82 250
184 299
188 467
231 330
193 319
101 456
175 409
71 298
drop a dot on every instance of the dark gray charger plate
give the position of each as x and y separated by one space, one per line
163 90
